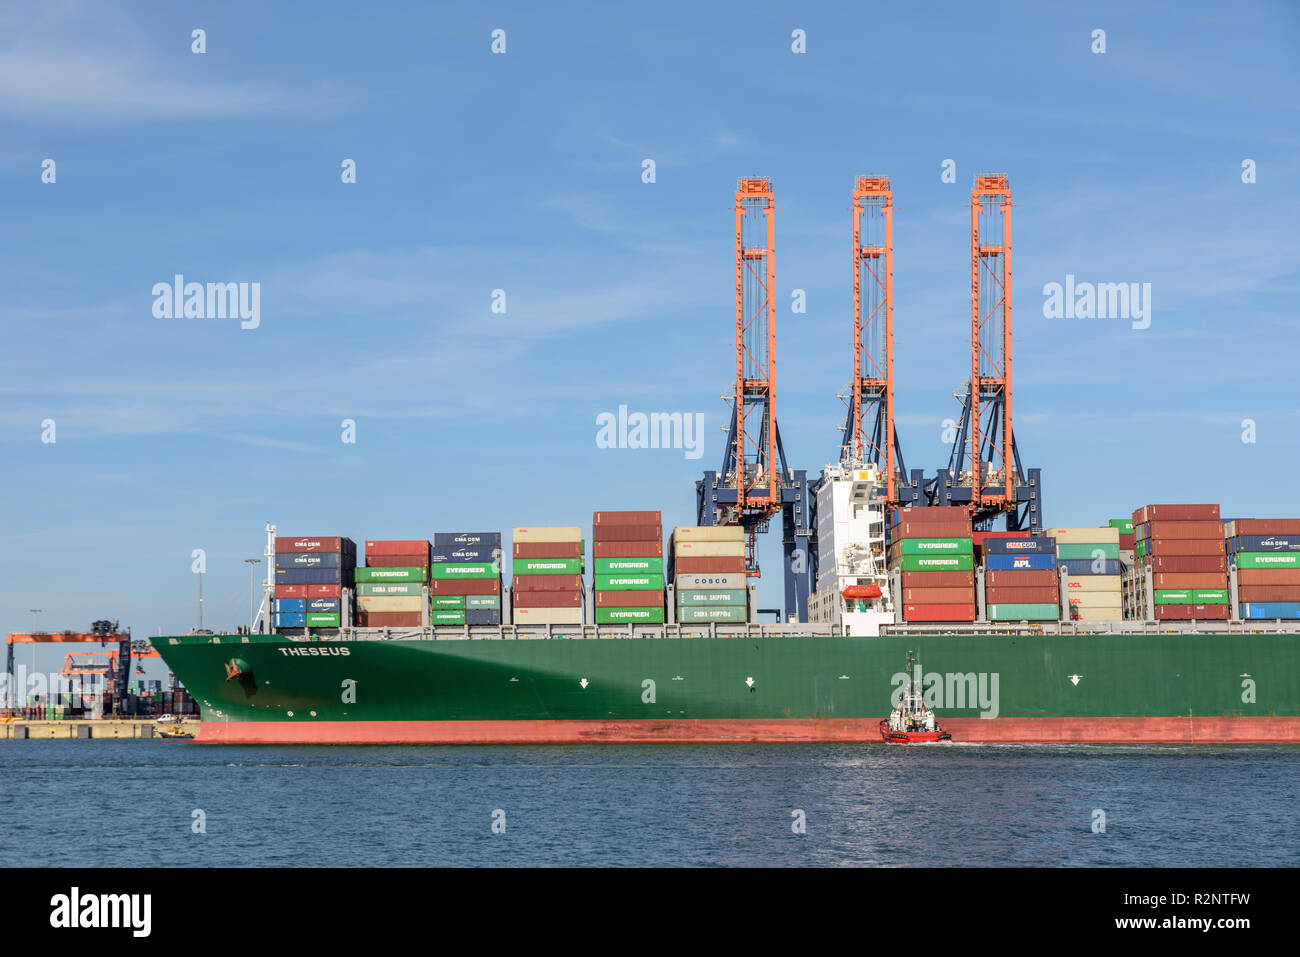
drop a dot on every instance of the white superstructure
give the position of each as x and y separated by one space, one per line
851 551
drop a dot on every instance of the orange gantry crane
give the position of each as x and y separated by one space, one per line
101 632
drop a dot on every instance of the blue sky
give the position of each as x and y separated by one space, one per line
522 172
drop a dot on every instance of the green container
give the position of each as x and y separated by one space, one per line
724 613
548 566
612 616
448 602
322 619
391 575
452 570
1209 596
631 582
1024 611
711 596
1174 596
618 566
443 616
392 590
1140 548
938 546
1268 560
482 601
1076 552
1125 525
938 563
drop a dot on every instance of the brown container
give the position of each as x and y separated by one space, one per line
627 533
1186 530
1020 578
626 518
1268 576
1185 546
734 565
546 583
915 529
1128 542
938 596
308 544
1188 612
548 599
627 549
942 512
388 619
465 586
1268 592
939 580
1191 580
1189 563
412 546
548 550
629 599
1030 594
1176 513
398 561
1267 526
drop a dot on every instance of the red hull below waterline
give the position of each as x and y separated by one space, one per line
1154 730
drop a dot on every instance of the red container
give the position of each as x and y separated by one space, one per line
399 561
1019 578
545 583
938 579
290 591
627 549
1268 526
1189 563
1186 530
981 537
937 596
1185 546
628 533
1268 576
1188 612
626 518
1030 594
413 546
701 565
922 529
388 619
465 586
1176 513
937 512
1268 592
629 599
551 550
324 591
309 544
548 599
939 612
1191 580
1128 542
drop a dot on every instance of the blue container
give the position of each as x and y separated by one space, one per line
1005 563
454 539
1019 546
1264 543
297 620
314 576
1084 566
463 554
294 605
1271 609
308 560
483 616
322 604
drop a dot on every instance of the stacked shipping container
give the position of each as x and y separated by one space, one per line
311 576
465 584
548 569
628 565
1266 552
707 565
390 588
1182 545
934 548
1020 582
1090 559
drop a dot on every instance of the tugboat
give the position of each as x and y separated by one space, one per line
912 722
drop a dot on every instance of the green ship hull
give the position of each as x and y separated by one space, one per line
1085 688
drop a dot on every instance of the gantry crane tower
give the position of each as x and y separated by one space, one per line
101 632
755 483
984 470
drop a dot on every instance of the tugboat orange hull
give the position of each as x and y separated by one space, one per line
911 737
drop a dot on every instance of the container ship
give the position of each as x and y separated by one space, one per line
1170 625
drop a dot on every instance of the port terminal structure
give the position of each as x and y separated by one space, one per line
984 472
116 668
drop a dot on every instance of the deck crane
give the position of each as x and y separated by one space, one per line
755 483
984 470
